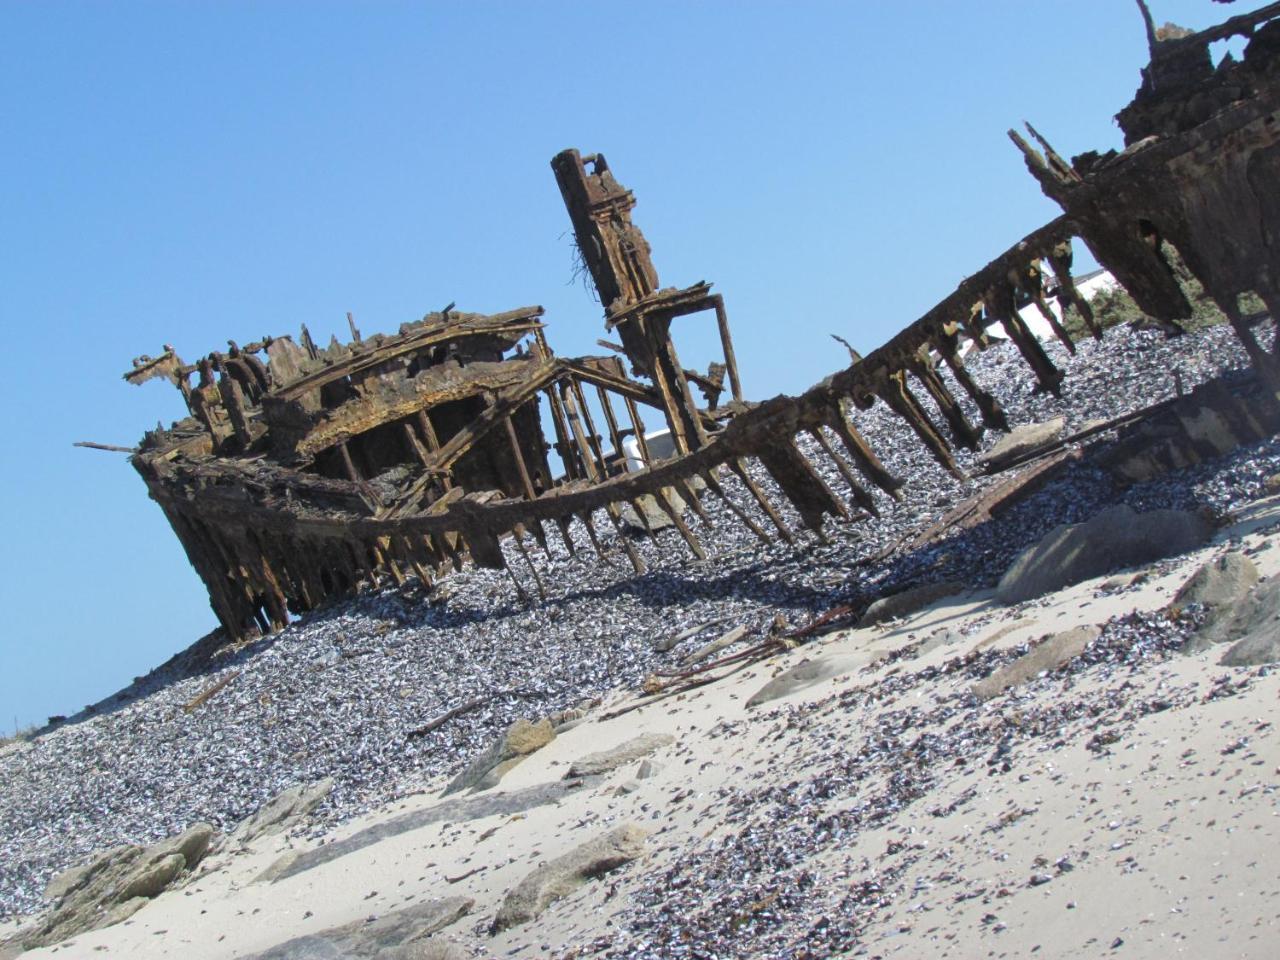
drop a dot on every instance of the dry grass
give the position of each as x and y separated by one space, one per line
20 735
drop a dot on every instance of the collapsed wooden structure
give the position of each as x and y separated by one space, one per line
304 472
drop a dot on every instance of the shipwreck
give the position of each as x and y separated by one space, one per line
305 472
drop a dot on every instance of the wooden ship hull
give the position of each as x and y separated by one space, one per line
304 473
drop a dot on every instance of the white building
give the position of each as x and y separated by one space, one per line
660 443
1089 285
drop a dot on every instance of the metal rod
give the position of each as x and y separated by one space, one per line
519 458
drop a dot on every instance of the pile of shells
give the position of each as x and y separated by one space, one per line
780 880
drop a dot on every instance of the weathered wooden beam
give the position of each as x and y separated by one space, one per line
110 447
518 456
993 414
740 470
714 485
859 450
860 495
726 346
671 510
964 433
903 402
1060 258
807 491
512 324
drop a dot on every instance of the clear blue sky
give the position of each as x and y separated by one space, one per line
191 172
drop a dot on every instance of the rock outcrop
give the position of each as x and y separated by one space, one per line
116 884
1117 537
520 739
1218 586
812 672
284 811
393 936
562 876
1224 580
456 810
637 748
1044 657
909 601
1020 441
1251 625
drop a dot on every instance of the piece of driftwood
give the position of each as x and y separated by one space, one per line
203 697
109 447
465 707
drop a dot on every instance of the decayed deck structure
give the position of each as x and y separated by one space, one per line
289 444
304 472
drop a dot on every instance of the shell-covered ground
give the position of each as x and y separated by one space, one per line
341 691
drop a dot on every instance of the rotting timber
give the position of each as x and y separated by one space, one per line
304 473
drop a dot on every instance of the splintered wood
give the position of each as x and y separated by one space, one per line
305 472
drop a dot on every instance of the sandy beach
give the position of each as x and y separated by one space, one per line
1125 804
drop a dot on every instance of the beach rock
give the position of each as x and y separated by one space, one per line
283 812
1261 646
1022 440
520 739
648 768
151 877
433 948
1044 657
495 775
562 718
909 601
1122 581
78 877
1219 586
706 651
1218 582
812 672
282 866
1251 625
116 884
123 911
561 876
392 936
651 516
192 844
455 810
1116 537
594 764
